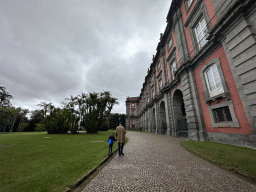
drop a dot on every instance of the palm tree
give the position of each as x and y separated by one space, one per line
5 97
24 113
47 107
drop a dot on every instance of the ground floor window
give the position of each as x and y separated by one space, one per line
222 115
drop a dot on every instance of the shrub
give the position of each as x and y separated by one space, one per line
82 128
56 122
40 127
23 126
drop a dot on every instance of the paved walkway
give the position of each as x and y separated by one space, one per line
158 163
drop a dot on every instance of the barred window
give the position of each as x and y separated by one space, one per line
222 115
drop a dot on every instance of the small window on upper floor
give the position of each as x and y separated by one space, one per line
213 81
133 105
173 68
170 43
158 66
201 32
152 78
189 2
133 112
160 84
153 93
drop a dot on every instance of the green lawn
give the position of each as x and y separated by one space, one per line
242 159
42 162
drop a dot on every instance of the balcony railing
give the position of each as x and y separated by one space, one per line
215 93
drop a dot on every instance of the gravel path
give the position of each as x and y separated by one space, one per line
158 163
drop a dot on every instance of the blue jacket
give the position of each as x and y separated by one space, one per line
111 140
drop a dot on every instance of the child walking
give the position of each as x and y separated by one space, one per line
111 140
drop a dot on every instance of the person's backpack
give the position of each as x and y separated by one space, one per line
110 142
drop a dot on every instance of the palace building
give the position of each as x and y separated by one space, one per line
201 83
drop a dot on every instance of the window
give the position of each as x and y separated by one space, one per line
158 66
152 79
133 123
198 23
133 112
160 84
133 105
173 68
222 115
213 81
201 32
189 2
170 43
153 93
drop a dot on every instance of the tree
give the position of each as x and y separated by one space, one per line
5 97
115 119
97 110
47 107
72 116
37 116
56 122
24 112
7 118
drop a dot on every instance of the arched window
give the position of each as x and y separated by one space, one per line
213 81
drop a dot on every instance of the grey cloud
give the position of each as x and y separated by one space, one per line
50 50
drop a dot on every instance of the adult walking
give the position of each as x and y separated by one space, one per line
120 136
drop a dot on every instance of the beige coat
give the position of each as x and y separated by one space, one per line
120 134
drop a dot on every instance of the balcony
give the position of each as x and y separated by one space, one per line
215 93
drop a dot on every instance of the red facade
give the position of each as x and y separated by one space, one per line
201 83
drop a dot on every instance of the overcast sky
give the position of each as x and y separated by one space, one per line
51 49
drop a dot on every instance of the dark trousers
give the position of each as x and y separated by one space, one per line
110 149
120 148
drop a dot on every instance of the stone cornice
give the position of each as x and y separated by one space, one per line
231 13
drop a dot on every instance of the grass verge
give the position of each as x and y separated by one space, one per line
42 162
241 160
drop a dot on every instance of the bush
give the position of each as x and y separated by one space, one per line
56 122
82 128
23 126
40 127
